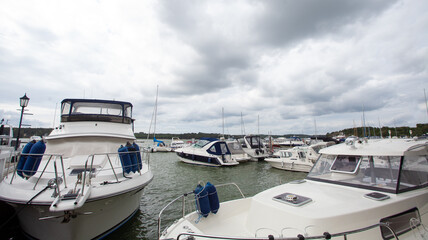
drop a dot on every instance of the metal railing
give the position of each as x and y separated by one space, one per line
326 235
89 163
183 210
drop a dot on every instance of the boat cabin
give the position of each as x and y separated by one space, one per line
398 168
73 110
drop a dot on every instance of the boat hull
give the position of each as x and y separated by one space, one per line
205 162
95 219
289 166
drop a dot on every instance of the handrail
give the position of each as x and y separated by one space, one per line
88 165
183 196
326 235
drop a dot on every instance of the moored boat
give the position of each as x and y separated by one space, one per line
176 143
293 159
208 152
238 154
85 179
356 190
254 147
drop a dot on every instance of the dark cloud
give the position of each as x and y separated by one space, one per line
285 22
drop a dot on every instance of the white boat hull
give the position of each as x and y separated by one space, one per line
289 166
94 219
185 160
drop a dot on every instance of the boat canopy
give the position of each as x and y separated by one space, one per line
392 166
219 148
73 110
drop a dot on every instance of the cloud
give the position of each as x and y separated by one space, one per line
279 63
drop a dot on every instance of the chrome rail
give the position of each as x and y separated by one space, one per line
88 165
326 235
183 197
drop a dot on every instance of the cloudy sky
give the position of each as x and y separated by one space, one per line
286 66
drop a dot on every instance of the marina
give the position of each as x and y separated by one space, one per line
173 177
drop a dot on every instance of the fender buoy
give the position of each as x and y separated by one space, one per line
212 197
125 160
33 161
133 157
23 158
139 161
202 201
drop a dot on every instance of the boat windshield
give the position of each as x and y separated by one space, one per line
201 143
96 110
254 141
381 173
235 147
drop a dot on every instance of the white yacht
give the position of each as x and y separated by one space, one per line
176 143
86 180
293 159
254 147
347 195
238 154
207 152
299 159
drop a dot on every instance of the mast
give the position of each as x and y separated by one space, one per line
364 123
222 117
242 126
380 128
156 110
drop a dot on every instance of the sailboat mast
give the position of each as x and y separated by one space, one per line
222 117
156 110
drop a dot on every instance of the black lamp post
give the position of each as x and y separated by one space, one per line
23 102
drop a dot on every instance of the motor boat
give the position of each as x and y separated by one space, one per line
293 159
299 159
254 147
238 154
208 152
313 150
289 142
176 143
347 195
85 179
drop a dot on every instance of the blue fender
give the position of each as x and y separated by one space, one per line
23 158
33 161
202 201
212 197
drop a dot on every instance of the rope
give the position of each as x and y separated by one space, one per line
20 209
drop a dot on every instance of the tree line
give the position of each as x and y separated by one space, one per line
419 130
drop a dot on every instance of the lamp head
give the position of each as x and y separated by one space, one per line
24 101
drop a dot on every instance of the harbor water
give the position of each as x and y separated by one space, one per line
173 178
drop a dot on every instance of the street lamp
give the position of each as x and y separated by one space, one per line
23 102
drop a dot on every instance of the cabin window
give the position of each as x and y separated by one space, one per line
66 108
345 164
400 223
414 172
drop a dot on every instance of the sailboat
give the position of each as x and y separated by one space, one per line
158 145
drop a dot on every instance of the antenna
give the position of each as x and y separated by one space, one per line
53 124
